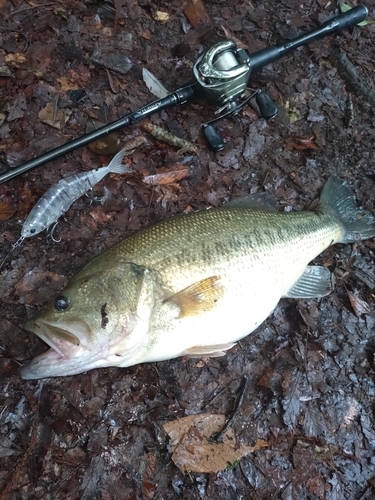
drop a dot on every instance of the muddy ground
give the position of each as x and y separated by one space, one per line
308 407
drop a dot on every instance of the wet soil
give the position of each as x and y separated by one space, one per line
310 367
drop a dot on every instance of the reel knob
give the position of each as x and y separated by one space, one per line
267 107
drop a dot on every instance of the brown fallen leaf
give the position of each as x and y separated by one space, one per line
192 450
36 286
301 143
195 11
167 175
360 306
107 145
17 60
66 84
6 210
230 36
167 193
99 215
53 116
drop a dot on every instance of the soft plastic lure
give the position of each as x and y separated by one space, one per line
57 200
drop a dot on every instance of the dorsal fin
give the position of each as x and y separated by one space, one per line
257 200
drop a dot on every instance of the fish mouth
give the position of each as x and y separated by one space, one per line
68 354
63 337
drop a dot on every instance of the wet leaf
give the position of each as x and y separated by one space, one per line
293 112
360 306
5 71
107 145
17 107
7 448
195 11
167 175
53 116
6 210
153 84
161 16
291 401
192 450
99 215
38 286
113 59
168 192
17 60
301 143
230 36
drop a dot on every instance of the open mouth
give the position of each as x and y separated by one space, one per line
66 356
64 341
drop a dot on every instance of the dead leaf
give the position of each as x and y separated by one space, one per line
99 215
301 143
6 210
192 450
112 84
17 107
53 116
229 35
37 286
8 448
153 84
167 175
17 60
66 84
360 306
168 192
195 11
106 145
161 17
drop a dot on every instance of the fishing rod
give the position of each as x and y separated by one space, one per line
221 75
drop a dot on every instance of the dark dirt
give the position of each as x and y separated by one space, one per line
311 389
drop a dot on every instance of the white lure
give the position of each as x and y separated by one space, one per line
59 197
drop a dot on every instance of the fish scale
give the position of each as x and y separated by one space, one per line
223 235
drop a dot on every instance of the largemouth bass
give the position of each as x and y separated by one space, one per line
192 285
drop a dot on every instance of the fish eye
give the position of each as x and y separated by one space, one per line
32 231
61 303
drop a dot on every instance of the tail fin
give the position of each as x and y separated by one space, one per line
116 166
339 199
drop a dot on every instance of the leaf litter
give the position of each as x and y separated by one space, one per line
310 366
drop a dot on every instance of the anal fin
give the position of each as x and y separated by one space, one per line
315 282
212 351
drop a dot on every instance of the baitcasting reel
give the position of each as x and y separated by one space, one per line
222 73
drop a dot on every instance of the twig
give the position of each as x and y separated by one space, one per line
349 73
32 7
173 140
217 437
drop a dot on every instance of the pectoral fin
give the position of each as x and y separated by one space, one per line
212 351
198 298
315 282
